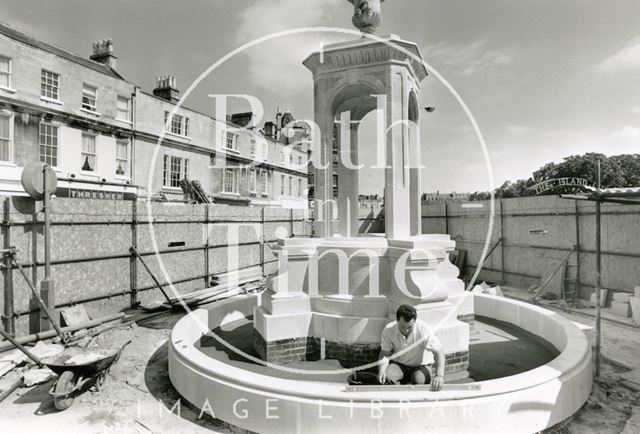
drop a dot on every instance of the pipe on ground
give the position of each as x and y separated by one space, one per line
6 345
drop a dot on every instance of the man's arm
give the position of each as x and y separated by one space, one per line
382 367
386 348
438 380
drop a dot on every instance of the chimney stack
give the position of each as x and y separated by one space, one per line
166 88
278 124
103 53
270 130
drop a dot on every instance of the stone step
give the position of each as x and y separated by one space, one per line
278 327
463 302
340 328
351 306
454 337
291 303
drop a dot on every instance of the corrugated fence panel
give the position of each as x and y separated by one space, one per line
90 242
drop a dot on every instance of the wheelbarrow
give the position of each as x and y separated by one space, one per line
73 377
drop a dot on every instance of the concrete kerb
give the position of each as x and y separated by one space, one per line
574 355
562 385
289 33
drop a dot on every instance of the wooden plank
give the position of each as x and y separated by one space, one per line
230 292
6 367
545 281
240 274
208 292
7 389
227 293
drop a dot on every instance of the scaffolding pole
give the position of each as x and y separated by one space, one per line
598 271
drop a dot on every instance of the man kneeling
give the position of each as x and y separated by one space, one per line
412 365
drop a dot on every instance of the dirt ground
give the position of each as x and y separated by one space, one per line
139 398
607 409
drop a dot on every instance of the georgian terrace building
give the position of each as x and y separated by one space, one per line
100 132
236 165
73 113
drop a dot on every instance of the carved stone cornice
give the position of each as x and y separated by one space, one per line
367 53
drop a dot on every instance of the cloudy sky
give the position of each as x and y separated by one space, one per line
544 78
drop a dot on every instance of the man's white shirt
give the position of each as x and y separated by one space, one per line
394 341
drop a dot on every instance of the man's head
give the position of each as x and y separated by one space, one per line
406 316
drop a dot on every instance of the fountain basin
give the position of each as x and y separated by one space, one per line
248 398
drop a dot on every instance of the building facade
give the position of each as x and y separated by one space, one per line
437 196
107 138
71 113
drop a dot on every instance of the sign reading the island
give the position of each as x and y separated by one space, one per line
558 182
78 193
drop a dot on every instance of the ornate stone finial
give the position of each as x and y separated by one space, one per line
366 15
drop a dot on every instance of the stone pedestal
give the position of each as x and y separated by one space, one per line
322 315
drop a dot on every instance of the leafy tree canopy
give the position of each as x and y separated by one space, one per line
616 171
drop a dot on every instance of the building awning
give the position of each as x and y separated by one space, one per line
627 192
11 185
625 195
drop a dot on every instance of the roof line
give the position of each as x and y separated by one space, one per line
231 124
19 35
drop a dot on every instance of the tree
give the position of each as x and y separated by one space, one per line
480 195
585 166
617 171
520 188
629 166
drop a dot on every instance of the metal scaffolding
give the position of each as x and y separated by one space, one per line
625 196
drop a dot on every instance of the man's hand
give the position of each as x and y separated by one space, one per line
382 368
436 383
382 377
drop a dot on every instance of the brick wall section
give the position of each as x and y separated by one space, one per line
350 354
282 351
309 348
456 362
313 348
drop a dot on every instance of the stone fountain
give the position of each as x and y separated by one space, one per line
334 293
324 310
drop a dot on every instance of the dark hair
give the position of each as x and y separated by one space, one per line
406 312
